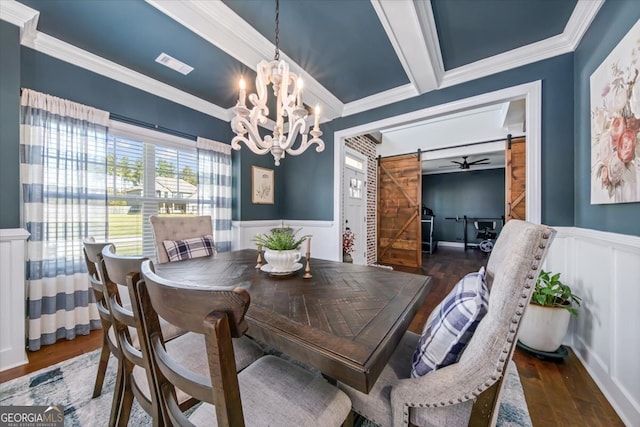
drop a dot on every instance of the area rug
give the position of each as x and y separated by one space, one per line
70 384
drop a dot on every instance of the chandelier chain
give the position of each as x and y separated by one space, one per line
277 56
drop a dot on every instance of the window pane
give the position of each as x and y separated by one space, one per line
144 180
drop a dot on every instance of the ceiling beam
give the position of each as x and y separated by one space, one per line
222 27
417 54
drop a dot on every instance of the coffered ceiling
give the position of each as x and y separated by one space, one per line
354 55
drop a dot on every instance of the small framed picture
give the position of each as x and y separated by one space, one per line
261 186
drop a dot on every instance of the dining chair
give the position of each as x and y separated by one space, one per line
269 392
135 379
167 228
92 255
445 396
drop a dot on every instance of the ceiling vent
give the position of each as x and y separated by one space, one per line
174 64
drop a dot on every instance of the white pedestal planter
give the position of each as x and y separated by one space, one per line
544 328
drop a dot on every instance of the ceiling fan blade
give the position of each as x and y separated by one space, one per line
475 162
447 166
458 163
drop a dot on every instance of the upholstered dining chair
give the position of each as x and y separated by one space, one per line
166 228
135 379
445 396
269 392
92 255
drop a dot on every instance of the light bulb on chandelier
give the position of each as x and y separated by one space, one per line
287 88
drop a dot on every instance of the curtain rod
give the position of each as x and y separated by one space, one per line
124 119
146 125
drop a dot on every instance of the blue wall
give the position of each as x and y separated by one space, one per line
46 74
9 125
478 194
308 181
612 23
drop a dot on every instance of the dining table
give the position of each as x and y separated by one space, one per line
345 321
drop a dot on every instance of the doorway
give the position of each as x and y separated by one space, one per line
530 92
354 201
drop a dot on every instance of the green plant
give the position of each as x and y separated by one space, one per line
280 239
550 291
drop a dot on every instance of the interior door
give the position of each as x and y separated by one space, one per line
399 197
355 199
516 178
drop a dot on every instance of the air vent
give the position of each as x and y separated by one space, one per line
174 64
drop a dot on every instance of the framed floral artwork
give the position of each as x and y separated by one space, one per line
615 124
261 186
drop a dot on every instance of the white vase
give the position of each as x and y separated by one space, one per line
543 328
282 261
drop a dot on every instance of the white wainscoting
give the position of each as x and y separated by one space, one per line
322 246
604 269
12 298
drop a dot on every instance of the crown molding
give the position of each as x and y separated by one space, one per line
66 52
404 30
580 20
16 13
389 96
220 26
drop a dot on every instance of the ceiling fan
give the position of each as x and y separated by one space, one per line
467 165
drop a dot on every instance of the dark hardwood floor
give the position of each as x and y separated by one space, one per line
557 393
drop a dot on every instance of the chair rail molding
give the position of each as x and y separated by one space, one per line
604 270
12 297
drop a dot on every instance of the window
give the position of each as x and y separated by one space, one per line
146 177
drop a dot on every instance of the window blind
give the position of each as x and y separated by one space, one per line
147 178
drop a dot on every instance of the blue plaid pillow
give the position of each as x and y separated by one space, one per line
178 250
451 325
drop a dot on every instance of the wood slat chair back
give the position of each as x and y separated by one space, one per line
126 322
177 228
93 255
292 394
216 313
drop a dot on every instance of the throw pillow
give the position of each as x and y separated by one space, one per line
178 250
451 325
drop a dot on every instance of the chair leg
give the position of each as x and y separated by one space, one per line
116 404
102 367
127 395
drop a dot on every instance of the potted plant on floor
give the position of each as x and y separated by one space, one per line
348 242
546 320
281 248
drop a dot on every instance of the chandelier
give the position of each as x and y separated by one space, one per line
287 88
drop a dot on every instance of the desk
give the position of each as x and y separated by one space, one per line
345 321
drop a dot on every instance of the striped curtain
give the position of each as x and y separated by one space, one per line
63 177
214 189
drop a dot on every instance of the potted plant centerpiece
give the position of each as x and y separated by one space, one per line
546 320
281 248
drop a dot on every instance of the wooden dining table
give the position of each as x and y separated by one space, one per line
345 321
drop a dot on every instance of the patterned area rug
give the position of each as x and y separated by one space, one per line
70 384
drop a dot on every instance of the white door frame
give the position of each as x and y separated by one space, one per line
353 153
531 92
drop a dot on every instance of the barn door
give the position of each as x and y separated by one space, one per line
399 198
515 178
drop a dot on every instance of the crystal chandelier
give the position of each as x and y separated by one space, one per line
287 88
